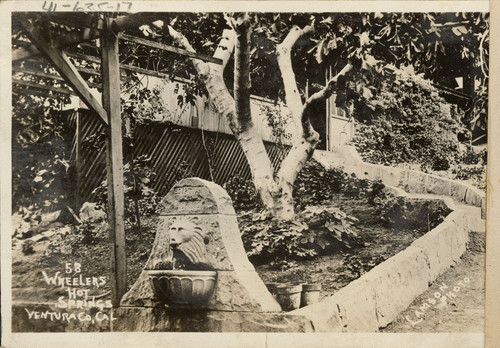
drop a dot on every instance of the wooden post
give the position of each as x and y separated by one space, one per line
111 103
77 160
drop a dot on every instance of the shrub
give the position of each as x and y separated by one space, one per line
313 231
140 197
314 185
475 174
400 212
242 192
407 121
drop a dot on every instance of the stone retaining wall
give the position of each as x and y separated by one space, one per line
375 300
409 180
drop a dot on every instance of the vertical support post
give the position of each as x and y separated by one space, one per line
327 110
78 159
111 103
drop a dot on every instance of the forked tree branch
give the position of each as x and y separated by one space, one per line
328 90
283 50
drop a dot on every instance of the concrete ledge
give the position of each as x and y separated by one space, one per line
410 180
375 300
171 320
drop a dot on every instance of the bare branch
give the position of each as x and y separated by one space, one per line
328 90
201 67
283 50
226 46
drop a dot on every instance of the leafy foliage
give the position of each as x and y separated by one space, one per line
42 177
242 192
313 231
315 185
138 187
408 122
277 122
475 174
400 212
27 247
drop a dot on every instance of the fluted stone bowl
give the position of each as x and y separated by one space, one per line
179 287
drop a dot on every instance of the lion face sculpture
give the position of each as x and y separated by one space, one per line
187 237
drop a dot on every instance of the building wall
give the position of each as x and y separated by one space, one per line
202 115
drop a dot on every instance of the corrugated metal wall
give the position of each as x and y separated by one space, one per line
172 149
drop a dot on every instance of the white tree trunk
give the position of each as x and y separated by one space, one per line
242 127
276 193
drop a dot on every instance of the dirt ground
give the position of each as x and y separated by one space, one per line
463 312
334 271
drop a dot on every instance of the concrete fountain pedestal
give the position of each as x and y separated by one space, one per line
198 231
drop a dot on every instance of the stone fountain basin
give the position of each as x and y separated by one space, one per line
182 287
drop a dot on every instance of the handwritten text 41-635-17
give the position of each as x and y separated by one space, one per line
87 6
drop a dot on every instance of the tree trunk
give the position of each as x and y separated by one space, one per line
242 128
275 192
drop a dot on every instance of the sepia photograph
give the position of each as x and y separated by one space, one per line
242 168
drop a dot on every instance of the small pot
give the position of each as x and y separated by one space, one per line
288 296
310 294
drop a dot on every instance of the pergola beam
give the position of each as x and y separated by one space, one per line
132 68
40 86
42 74
169 48
77 20
67 40
65 68
135 20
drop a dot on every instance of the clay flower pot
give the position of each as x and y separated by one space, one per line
310 294
288 296
177 287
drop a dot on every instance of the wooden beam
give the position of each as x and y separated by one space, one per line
65 68
114 164
42 74
135 20
44 87
37 92
169 48
127 67
29 71
70 38
76 20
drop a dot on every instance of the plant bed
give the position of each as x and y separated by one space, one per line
381 235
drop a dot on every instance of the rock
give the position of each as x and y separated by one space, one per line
143 319
64 230
49 234
19 225
38 238
49 218
395 191
89 211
